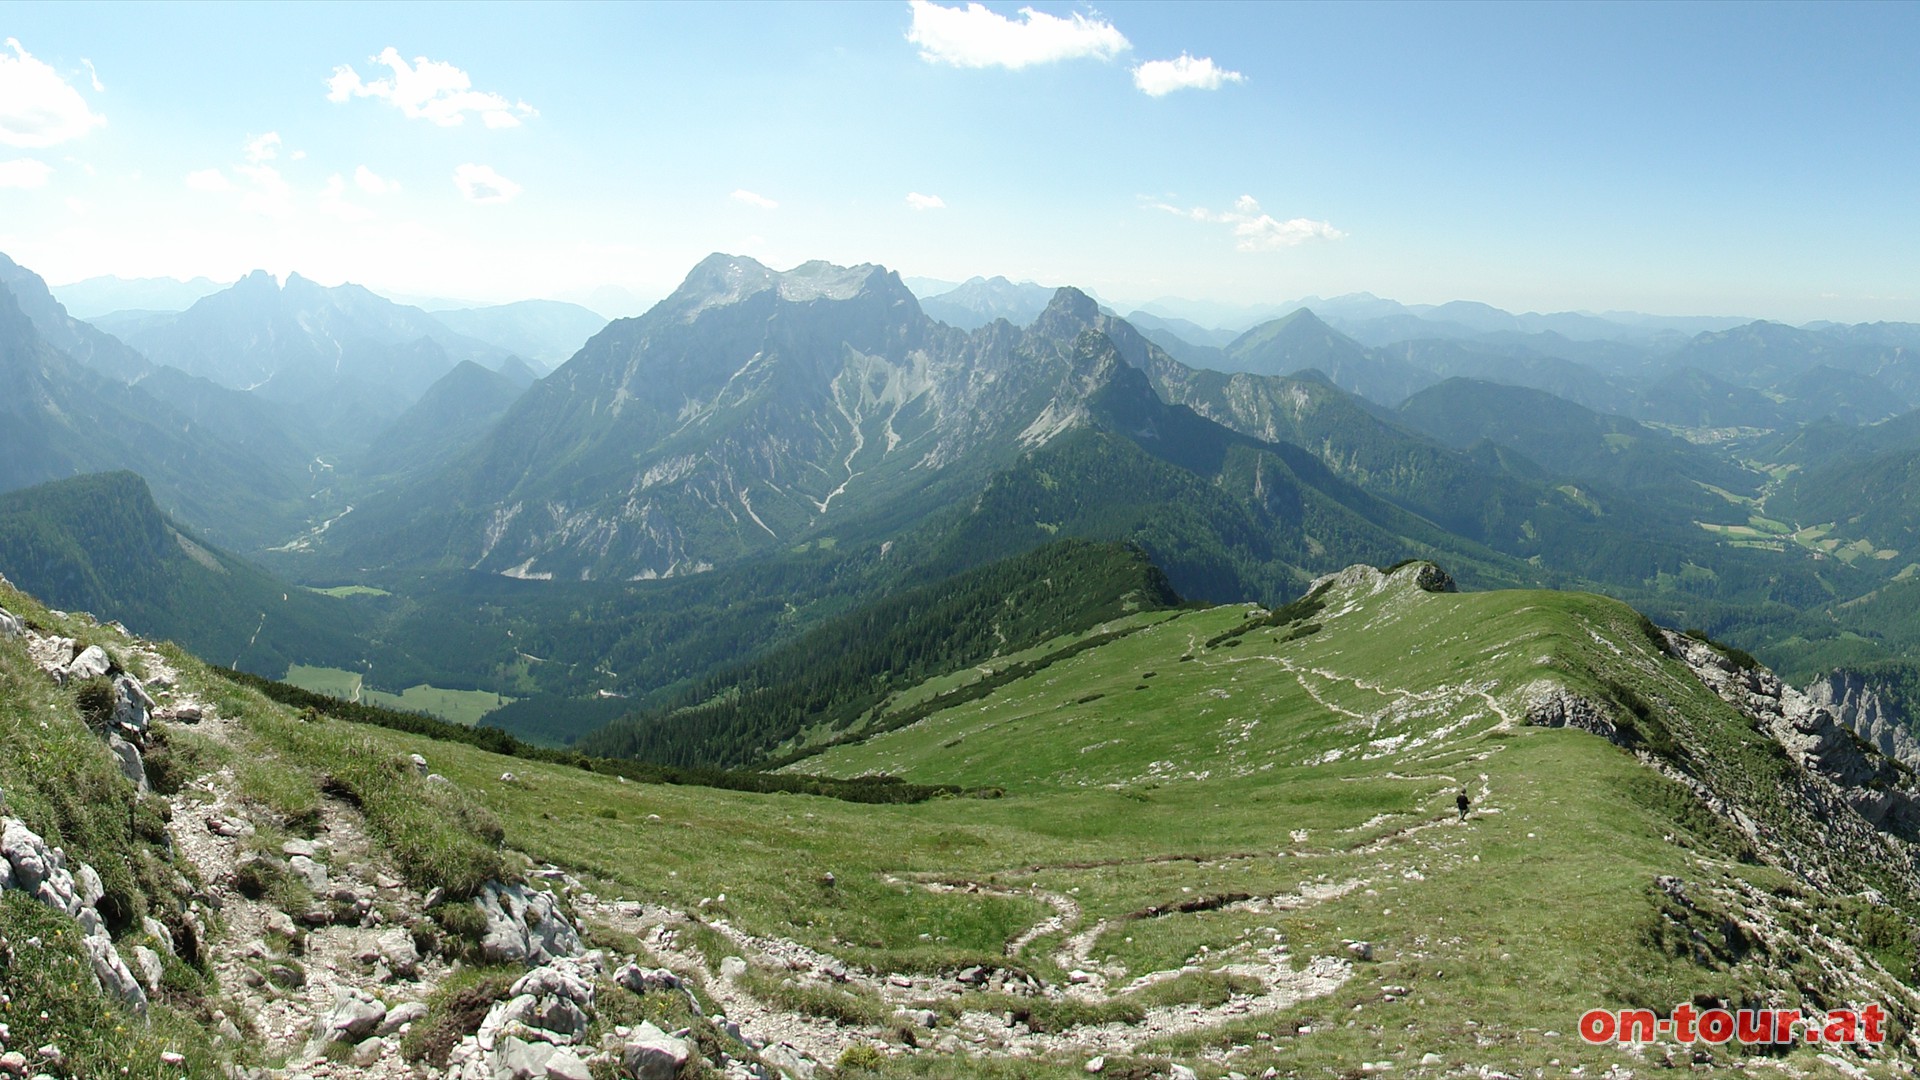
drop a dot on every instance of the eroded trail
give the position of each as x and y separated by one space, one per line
1282 981
284 970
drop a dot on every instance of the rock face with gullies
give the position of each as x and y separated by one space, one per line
1814 738
1855 702
744 409
29 864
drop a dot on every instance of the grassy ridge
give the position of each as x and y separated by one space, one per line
846 668
1154 773
872 789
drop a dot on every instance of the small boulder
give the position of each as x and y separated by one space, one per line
114 977
368 1051
310 872
132 766
407 1012
567 1065
10 624
151 971
92 663
356 1014
87 886
132 707
398 951
419 764
158 931
523 925
652 1054
789 1060
645 980
27 854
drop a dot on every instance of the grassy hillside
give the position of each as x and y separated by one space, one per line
1198 818
850 666
98 543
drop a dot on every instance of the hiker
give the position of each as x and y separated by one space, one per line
1463 803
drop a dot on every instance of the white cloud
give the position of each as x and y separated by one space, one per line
428 90
333 200
269 194
263 148
209 180
925 202
480 184
1158 78
976 37
94 76
37 107
24 173
1256 230
752 199
372 183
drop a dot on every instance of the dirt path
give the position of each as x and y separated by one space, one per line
280 974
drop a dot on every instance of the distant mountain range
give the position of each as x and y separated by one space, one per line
355 358
105 295
823 427
979 301
546 332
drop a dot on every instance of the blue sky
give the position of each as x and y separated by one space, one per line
1696 158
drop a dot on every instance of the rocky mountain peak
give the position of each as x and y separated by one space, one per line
716 280
1067 314
257 283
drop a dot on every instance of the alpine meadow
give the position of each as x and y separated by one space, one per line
850 541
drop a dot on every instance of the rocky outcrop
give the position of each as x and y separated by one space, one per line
1549 704
130 716
1367 580
1855 701
1869 781
29 864
524 926
536 1031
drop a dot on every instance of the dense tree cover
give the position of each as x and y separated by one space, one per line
843 669
98 543
1876 498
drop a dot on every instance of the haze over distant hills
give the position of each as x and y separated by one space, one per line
104 295
762 425
979 301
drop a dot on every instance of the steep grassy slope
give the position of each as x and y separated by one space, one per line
1343 745
1198 819
849 666
98 543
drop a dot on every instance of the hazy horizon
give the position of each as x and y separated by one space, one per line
1541 158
